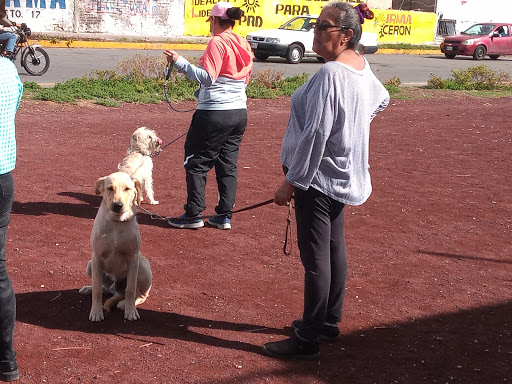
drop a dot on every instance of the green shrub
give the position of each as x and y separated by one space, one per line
474 78
393 85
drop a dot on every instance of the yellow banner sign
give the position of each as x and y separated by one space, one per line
390 25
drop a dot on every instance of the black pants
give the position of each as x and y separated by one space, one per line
213 140
321 240
7 297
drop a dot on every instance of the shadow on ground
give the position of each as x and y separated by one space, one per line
439 349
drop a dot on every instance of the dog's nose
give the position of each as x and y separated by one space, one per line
117 206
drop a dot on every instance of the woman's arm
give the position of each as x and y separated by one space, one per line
190 70
318 109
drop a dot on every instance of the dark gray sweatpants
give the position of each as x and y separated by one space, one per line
213 140
7 297
321 240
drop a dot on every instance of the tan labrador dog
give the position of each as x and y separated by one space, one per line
138 162
116 265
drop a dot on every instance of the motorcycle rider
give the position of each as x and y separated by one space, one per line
7 37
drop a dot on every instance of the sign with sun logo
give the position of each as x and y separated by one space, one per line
250 5
390 25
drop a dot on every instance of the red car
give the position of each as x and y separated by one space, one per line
480 40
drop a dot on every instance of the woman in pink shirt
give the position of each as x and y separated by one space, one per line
220 118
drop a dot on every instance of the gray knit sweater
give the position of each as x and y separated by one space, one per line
326 143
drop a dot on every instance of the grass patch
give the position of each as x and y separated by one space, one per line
140 79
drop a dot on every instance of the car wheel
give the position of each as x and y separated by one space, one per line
480 52
494 57
320 59
260 56
294 54
450 55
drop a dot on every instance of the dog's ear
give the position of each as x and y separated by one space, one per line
138 197
99 187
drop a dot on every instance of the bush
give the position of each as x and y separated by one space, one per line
474 78
393 85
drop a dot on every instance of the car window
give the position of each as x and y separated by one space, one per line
502 31
479 29
298 24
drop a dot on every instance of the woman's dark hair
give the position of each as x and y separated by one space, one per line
352 17
234 13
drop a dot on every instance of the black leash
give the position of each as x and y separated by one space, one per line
288 245
168 70
166 145
232 212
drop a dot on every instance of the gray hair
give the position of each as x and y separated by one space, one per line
345 14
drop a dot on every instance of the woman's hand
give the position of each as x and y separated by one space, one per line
284 193
171 55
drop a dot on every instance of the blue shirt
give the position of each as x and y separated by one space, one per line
11 89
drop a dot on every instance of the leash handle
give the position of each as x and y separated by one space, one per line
288 243
168 69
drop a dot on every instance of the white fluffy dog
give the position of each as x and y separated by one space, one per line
138 162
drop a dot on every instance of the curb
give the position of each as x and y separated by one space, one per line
120 45
186 46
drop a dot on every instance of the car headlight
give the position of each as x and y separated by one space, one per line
272 40
249 37
468 42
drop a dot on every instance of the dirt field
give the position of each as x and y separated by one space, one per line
429 295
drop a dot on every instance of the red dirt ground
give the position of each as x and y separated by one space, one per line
429 296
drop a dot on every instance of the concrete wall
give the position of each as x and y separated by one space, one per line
118 17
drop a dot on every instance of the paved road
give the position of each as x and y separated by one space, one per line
68 63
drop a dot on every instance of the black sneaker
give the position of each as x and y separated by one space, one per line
221 222
9 371
185 221
329 332
293 348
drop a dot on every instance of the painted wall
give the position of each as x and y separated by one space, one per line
166 18
119 17
469 12
391 26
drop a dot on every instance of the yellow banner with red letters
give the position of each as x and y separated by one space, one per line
392 26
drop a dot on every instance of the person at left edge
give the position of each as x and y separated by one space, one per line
11 89
220 119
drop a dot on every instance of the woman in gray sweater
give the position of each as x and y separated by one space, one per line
324 154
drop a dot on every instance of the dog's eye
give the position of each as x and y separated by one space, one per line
127 189
111 188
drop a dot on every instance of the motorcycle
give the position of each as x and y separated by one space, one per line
33 58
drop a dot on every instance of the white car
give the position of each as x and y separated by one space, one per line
294 40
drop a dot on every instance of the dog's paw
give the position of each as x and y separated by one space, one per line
153 202
85 290
96 316
120 305
131 315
